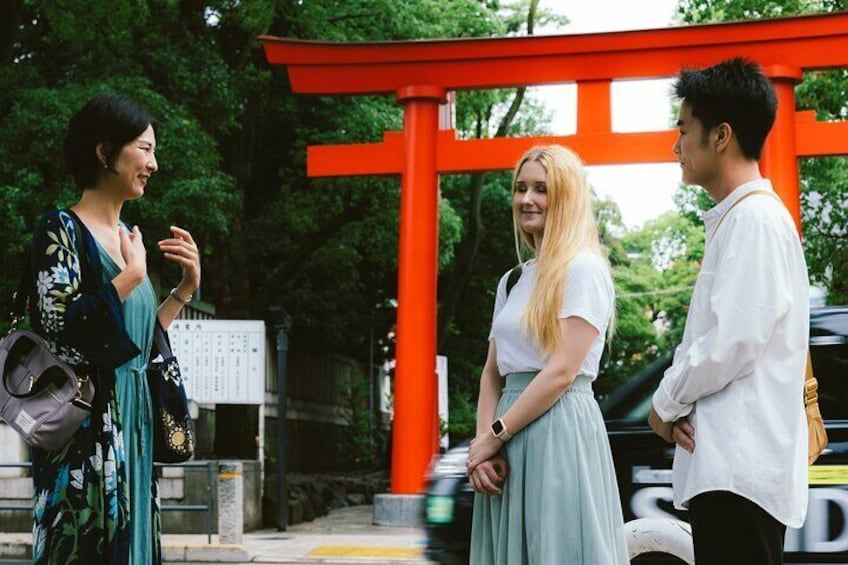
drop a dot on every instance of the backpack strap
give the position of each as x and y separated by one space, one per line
513 277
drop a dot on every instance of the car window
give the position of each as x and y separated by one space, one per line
631 402
829 347
639 412
830 366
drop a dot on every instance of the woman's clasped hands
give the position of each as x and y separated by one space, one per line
487 468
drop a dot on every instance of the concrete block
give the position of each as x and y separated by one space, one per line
171 489
399 510
19 488
173 472
195 491
173 553
230 502
13 449
16 546
252 489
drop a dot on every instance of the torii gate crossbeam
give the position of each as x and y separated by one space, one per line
420 73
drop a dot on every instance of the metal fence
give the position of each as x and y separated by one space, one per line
210 477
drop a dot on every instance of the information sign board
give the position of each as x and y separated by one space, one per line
222 361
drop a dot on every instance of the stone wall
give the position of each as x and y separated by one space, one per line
312 496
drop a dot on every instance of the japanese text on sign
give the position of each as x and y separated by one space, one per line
222 361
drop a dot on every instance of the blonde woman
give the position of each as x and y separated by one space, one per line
541 462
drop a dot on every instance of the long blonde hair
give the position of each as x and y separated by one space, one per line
569 229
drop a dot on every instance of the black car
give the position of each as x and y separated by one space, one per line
643 461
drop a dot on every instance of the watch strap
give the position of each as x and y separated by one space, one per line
503 434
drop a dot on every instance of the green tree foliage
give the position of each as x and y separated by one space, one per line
824 181
232 157
232 141
654 281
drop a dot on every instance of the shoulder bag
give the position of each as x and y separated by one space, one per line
41 397
816 433
173 428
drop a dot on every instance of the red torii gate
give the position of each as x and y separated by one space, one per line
420 73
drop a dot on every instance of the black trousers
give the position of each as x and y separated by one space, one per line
729 529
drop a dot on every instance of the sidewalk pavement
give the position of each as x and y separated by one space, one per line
345 536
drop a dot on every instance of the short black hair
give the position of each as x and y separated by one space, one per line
110 119
734 91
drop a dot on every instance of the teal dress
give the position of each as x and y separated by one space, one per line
84 509
135 406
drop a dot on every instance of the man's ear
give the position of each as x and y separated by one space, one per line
722 133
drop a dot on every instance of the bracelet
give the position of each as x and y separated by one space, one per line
176 297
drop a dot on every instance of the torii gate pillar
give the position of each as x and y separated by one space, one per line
780 157
415 426
420 72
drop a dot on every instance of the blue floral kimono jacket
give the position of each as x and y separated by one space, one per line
81 498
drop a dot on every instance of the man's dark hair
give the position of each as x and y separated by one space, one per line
110 119
734 91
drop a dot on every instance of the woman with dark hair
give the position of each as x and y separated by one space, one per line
96 500
541 461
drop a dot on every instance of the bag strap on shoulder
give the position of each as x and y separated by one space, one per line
161 342
752 193
811 384
513 277
20 298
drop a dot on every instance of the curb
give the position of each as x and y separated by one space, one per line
205 553
171 552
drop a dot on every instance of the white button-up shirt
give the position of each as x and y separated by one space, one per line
739 372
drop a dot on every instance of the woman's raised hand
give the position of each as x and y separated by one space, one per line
182 250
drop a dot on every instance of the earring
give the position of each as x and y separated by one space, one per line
105 165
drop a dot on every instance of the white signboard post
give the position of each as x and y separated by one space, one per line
222 361
442 375
385 391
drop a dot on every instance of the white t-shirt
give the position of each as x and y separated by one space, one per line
587 293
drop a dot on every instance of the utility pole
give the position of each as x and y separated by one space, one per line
282 323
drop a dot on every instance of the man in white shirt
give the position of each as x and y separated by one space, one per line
733 398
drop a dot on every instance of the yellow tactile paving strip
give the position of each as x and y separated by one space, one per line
359 551
828 475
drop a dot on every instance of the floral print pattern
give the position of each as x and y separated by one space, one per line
58 283
81 501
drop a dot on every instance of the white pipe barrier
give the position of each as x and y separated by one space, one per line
660 535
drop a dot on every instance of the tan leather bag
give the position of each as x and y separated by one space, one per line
815 424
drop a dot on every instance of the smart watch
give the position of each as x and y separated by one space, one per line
499 430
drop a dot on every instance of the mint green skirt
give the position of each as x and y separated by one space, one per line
560 502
